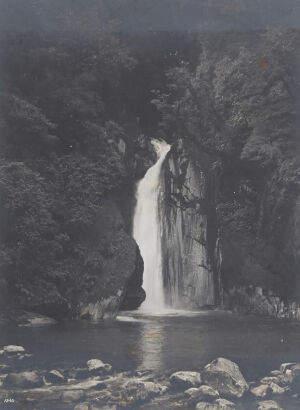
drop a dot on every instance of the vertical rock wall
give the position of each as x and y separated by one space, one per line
188 270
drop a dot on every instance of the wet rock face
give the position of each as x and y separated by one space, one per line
259 301
228 225
188 272
134 293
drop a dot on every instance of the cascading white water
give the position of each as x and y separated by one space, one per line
146 231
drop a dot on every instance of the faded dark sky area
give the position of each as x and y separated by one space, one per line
145 15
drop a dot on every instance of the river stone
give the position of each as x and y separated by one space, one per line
55 377
203 393
23 380
269 380
219 404
261 391
206 406
275 373
268 405
285 379
183 380
97 366
285 366
70 396
226 377
277 389
224 404
13 349
82 406
139 391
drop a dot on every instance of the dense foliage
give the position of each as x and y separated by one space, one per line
76 120
240 106
78 106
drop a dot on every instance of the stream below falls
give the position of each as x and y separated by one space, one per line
175 340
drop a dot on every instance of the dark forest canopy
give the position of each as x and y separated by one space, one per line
80 101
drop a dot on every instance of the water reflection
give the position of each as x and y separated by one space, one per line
152 340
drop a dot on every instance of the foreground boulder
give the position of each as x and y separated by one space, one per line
13 349
139 391
226 377
224 404
262 391
268 405
71 396
184 380
23 380
219 404
287 366
55 377
96 366
203 393
82 406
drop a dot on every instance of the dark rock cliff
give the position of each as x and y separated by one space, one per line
237 116
239 250
188 244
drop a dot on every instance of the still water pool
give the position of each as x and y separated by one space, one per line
172 341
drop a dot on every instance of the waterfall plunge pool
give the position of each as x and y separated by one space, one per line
175 340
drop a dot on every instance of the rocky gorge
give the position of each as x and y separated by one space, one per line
149 205
76 142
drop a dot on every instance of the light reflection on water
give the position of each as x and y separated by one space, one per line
174 340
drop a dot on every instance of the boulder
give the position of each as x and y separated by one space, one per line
184 380
96 366
203 405
268 405
275 373
13 349
55 377
285 366
262 391
285 379
277 389
225 377
219 404
269 380
224 404
203 393
20 356
23 380
70 396
82 406
138 391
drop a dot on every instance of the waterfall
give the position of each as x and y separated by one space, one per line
146 231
